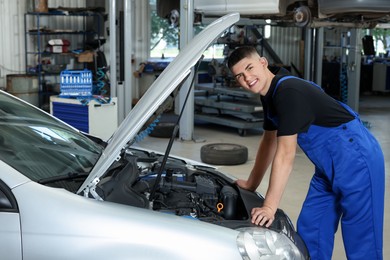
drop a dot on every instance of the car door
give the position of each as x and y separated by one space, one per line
10 235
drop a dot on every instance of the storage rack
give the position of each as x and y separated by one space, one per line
228 106
35 48
220 103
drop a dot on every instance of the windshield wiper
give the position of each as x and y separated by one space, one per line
64 177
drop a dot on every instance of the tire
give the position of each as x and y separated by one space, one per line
165 126
224 154
163 130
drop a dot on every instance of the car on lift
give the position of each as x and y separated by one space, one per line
360 13
67 195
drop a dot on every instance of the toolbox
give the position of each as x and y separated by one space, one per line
76 83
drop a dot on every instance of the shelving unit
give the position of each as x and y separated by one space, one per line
233 107
334 75
47 63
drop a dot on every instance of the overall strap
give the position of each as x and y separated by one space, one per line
281 80
351 111
293 77
271 117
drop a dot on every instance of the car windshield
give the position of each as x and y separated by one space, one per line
39 146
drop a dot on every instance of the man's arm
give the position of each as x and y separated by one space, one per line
264 157
281 168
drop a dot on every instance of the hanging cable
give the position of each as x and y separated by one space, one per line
343 83
344 89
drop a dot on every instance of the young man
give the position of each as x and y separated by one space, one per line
348 182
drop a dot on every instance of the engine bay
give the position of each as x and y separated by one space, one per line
181 189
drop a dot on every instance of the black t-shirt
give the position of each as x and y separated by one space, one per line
298 104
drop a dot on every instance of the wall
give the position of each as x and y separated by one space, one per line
11 38
285 41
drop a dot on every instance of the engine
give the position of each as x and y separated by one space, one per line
179 189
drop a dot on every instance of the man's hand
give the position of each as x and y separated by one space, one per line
263 216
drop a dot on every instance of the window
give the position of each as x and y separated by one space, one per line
38 146
164 38
381 41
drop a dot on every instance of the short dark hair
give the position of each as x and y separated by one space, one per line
240 53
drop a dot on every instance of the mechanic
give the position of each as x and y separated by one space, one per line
349 180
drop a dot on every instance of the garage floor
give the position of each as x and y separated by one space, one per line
374 110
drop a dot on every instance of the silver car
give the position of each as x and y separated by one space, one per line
312 13
67 195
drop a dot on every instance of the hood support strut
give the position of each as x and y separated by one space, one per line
174 134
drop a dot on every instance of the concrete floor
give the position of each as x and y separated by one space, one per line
374 110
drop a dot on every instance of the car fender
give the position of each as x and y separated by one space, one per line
79 227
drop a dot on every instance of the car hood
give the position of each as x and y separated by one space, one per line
162 87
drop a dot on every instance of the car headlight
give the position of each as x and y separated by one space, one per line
261 243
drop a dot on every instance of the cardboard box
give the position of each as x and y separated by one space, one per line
86 56
41 6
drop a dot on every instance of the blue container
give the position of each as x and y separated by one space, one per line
76 83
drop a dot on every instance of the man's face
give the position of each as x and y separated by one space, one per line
251 74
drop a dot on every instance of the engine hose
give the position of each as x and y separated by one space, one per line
229 198
343 83
147 131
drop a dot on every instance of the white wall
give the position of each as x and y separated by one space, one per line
285 41
11 38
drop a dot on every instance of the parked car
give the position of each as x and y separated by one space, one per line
67 195
303 12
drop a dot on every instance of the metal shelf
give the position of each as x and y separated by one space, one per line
220 89
37 35
233 107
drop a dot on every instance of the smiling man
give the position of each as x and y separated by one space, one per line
348 182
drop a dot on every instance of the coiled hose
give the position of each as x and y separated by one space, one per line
100 81
148 130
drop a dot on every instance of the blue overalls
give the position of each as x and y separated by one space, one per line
348 183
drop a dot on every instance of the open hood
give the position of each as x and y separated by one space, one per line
158 92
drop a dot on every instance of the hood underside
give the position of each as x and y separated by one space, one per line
154 97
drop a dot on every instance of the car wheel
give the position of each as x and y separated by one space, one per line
224 154
302 16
